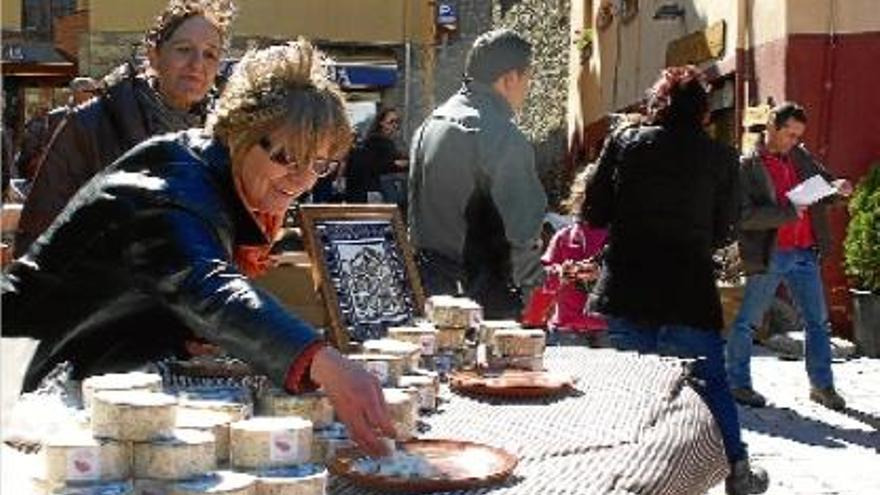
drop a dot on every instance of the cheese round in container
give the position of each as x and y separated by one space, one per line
409 352
152 487
426 388
424 335
528 363
326 444
385 367
314 406
77 456
453 312
489 327
450 338
306 479
133 415
208 421
183 454
265 442
234 401
113 488
403 406
136 380
518 342
217 483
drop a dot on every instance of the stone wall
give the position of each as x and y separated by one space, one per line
546 24
101 52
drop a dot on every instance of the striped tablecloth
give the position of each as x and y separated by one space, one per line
633 426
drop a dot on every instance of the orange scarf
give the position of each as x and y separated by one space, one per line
254 260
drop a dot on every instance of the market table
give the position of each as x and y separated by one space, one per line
632 426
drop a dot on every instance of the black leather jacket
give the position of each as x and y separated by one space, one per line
140 260
668 196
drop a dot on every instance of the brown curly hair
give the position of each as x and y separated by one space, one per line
287 88
680 95
220 13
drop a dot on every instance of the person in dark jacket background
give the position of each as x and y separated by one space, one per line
184 48
159 248
375 156
668 195
41 131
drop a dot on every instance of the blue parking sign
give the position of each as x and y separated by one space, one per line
446 14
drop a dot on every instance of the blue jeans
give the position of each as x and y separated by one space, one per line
707 347
800 269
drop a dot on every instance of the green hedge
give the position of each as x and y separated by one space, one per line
862 244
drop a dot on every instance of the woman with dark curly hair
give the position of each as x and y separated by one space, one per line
668 195
183 47
375 156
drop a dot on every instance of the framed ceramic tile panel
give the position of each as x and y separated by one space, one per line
364 267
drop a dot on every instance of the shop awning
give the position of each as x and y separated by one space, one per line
38 61
365 74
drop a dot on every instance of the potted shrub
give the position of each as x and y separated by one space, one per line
862 261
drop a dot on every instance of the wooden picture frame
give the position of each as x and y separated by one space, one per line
364 267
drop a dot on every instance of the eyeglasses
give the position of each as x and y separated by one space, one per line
320 167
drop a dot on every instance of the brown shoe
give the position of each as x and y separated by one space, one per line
828 397
748 397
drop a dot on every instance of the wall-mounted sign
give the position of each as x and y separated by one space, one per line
756 116
447 15
697 47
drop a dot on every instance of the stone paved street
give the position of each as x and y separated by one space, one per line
806 448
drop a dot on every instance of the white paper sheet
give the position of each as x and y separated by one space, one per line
810 191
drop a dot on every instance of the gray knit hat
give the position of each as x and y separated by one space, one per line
495 53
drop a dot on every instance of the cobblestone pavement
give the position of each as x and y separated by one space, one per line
807 449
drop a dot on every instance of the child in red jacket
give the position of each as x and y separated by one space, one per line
570 261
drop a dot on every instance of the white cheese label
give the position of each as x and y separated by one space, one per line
379 369
283 448
83 464
428 343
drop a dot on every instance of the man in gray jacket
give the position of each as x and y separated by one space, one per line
476 203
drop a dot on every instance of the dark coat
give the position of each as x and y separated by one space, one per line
668 197
762 215
94 135
367 162
141 260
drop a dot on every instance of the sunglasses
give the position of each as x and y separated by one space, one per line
320 167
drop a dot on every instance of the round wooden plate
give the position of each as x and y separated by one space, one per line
511 383
463 465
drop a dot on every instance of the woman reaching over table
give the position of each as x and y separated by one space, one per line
159 248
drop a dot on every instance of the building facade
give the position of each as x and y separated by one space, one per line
820 53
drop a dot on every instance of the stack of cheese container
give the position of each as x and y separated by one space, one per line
277 450
424 335
513 346
455 318
144 442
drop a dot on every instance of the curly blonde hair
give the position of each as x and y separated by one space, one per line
220 13
282 88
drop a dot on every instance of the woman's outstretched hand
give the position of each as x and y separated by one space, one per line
357 397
